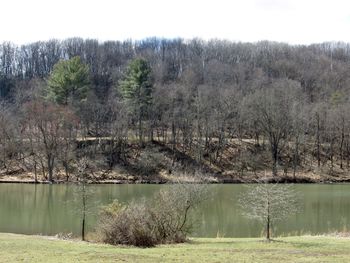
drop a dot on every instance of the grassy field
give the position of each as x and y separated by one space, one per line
21 248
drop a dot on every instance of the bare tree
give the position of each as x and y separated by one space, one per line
66 148
5 136
268 204
48 126
271 108
319 120
117 129
298 113
83 193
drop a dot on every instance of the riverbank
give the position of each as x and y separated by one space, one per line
158 163
287 249
216 179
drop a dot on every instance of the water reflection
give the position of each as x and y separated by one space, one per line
49 209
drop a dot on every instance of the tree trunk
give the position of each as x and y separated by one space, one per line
347 153
43 169
140 128
83 229
331 155
341 146
50 166
66 170
35 172
296 156
268 220
318 140
274 160
84 212
173 133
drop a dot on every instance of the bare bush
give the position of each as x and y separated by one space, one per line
172 208
150 162
127 225
163 219
180 175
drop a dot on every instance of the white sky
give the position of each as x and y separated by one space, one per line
291 21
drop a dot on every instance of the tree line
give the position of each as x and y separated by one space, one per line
195 97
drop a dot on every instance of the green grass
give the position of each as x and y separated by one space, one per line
21 248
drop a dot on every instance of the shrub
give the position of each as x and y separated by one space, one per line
150 161
163 219
127 225
171 210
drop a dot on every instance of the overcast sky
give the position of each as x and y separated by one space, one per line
291 21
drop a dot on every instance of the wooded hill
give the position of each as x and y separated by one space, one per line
159 107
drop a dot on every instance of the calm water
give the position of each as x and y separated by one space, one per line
48 209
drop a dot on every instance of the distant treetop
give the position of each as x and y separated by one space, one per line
69 80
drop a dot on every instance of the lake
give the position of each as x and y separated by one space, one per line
49 209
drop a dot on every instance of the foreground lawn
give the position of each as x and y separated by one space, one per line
21 248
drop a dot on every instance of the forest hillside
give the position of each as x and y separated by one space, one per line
158 109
